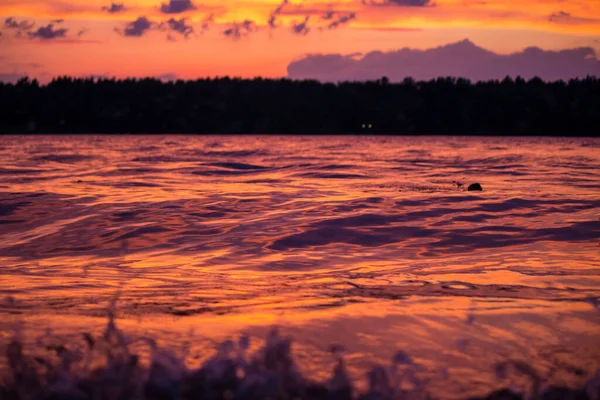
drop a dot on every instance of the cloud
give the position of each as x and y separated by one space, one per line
137 28
341 18
24 29
273 17
562 17
115 8
177 6
301 28
206 22
328 15
174 26
179 26
333 18
47 33
462 59
401 3
239 29
11 23
11 77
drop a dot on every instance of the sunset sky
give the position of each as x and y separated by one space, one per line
189 39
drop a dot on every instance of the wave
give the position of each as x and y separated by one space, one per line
319 175
65 158
238 166
112 366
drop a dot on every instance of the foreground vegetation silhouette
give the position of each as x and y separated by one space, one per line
224 105
104 367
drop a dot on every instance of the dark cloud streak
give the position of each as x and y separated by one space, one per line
301 28
399 3
277 12
562 17
336 18
342 19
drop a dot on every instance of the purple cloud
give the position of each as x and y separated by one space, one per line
115 8
301 28
137 28
143 25
462 59
180 26
47 33
341 19
177 6
24 29
328 15
239 29
11 23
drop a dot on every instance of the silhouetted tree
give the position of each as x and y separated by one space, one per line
233 105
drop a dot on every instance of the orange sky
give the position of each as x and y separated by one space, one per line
99 42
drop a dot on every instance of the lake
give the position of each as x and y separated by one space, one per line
371 243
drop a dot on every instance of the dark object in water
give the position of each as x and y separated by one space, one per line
474 187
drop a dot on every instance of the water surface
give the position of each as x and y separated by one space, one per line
363 241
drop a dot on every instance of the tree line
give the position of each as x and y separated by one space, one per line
282 106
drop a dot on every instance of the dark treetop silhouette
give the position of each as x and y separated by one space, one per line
224 105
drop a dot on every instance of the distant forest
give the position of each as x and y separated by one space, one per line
225 105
